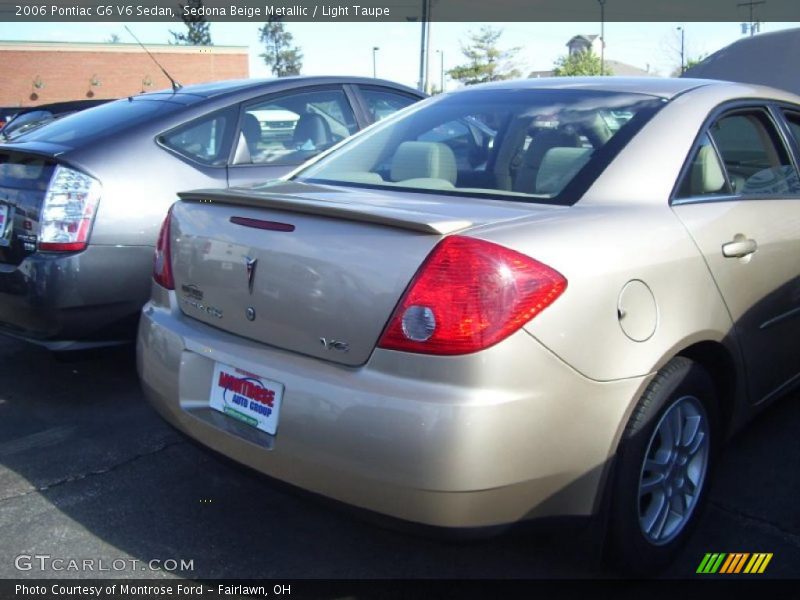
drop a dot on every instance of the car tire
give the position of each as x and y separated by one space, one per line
663 468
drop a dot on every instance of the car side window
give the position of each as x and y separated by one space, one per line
793 119
706 175
203 140
290 129
382 103
755 158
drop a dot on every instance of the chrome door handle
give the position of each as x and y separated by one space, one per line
739 248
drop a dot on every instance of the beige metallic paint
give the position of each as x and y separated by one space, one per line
526 428
411 436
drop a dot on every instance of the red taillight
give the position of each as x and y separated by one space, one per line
66 247
468 295
162 261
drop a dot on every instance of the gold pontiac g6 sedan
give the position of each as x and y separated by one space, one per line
519 300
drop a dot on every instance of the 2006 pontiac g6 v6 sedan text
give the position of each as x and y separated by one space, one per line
514 301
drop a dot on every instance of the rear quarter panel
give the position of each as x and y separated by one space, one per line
599 249
140 180
624 229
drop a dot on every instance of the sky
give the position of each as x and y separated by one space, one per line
342 48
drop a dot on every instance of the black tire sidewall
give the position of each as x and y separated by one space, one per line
630 550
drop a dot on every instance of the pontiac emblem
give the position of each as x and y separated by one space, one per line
250 263
192 291
334 345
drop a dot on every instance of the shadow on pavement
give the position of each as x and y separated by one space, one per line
88 470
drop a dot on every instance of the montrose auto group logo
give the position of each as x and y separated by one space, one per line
247 392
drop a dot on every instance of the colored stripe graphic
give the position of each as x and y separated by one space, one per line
727 564
711 563
758 563
703 563
734 562
717 564
741 562
765 563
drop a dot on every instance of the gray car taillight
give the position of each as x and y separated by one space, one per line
68 211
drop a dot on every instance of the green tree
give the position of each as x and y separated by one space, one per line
197 28
279 53
690 62
693 62
579 64
485 61
113 39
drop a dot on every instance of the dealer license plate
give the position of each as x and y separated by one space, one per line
246 397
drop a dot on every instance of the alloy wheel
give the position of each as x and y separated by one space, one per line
674 470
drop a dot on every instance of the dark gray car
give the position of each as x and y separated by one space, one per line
82 199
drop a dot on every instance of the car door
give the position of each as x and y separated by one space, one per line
740 200
280 132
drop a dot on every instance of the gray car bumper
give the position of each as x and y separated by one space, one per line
74 301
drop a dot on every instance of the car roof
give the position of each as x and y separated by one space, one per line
68 106
191 101
219 89
662 87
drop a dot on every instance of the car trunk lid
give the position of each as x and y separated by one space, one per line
310 269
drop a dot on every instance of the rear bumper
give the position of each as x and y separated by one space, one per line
85 299
508 434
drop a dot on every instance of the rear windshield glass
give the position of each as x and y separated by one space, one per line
23 172
530 145
99 121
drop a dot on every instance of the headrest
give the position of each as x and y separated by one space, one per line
428 160
251 129
543 141
311 129
599 127
707 175
558 167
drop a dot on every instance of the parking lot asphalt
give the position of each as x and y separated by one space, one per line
89 471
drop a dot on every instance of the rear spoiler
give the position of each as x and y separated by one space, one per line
381 215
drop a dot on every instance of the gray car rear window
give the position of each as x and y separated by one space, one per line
88 125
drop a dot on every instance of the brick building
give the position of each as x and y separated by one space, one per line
33 73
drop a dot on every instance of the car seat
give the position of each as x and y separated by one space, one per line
542 142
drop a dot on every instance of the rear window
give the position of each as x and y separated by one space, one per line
27 122
99 122
24 172
529 145
205 140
